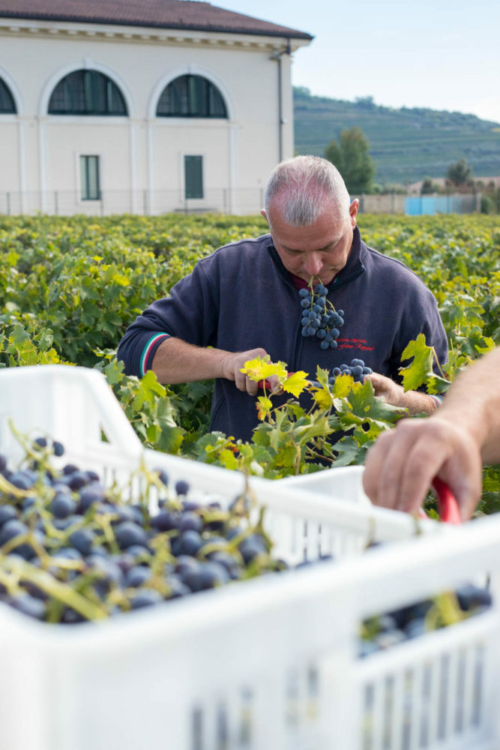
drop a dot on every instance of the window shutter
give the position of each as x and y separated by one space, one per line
193 177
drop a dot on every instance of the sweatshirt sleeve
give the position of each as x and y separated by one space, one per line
421 315
190 314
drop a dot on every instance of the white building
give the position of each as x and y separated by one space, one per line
108 106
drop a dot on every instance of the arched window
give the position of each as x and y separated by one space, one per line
87 92
7 106
191 96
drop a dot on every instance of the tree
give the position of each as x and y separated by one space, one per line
459 174
353 161
429 187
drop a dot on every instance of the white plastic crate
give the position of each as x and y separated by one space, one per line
265 664
341 484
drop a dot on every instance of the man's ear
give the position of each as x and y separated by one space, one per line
353 211
263 213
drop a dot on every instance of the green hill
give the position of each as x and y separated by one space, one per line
406 144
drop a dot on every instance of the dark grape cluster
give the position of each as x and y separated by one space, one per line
319 318
72 550
356 370
407 623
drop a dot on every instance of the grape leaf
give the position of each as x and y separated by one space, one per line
296 383
261 368
415 374
347 452
264 406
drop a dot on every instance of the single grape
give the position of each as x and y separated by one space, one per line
30 606
70 469
325 345
340 313
11 529
128 534
21 481
7 513
321 333
357 363
336 371
88 497
77 480
191 522
357 371
62 506
146 598
190 543
41 442
335 333
82 540
304 293
332 344
182 487
58 448
92 476
367 371
305 303
305 331
213 574
137 576
178 589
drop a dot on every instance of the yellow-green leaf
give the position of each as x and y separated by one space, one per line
415 374
296 383
264 406
261 368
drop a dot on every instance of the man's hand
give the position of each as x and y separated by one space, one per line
401 465
232 364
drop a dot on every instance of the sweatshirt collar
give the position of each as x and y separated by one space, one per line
352 269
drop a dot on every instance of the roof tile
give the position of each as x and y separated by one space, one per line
169 14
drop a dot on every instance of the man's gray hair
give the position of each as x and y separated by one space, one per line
303 185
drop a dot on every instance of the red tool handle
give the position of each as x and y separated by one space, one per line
447 503
267 384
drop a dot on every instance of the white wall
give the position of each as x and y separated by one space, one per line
140 153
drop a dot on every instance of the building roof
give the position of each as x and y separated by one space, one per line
167 14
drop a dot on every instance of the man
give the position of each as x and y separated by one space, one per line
243 301
450 445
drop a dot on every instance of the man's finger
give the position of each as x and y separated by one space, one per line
374 465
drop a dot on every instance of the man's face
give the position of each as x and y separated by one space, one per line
321 249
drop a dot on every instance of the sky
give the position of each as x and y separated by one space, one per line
442 54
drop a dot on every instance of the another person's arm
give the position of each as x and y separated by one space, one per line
451 444
394 394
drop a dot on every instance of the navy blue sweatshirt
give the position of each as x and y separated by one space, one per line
242 297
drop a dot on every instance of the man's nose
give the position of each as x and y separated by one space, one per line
313 264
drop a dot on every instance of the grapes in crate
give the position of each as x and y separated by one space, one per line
73 550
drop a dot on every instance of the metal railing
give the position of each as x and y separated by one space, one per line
143 202
244 201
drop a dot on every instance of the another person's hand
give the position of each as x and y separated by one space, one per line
232 365
386 389
401 465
